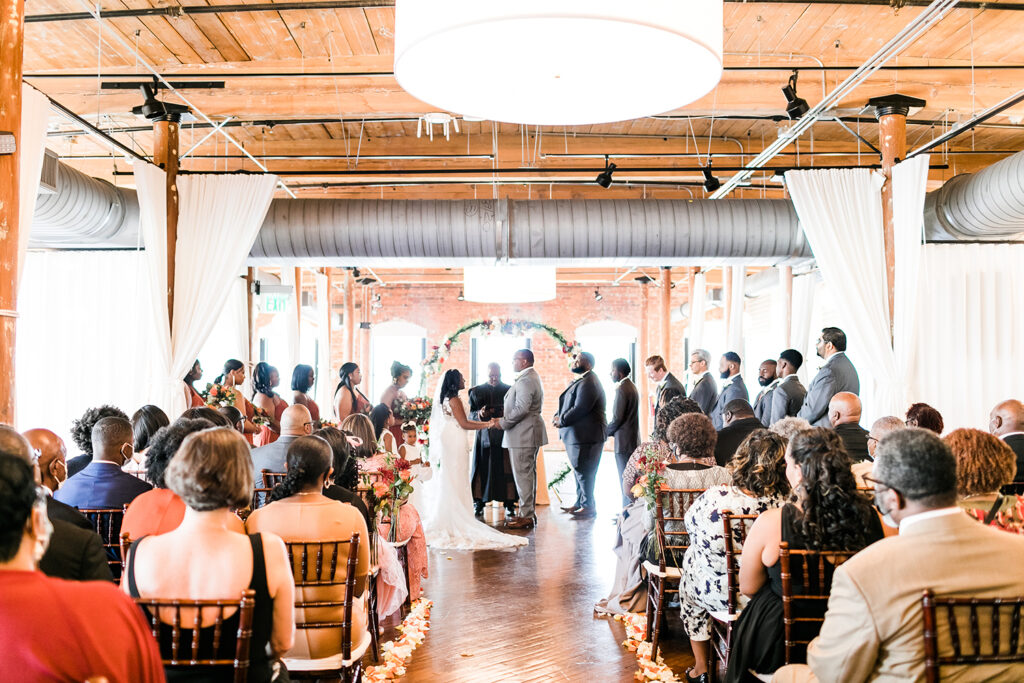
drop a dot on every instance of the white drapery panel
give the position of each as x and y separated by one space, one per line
323 361
151 189
83 338
35 108
734 331
698 310
910 183
804 287
972 316
291 321
841 214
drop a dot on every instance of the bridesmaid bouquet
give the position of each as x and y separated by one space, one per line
218 395
260 417
651 464
416 409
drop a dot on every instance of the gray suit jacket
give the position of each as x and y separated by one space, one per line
625 424
523 425
763 404
787 399
270 457
705 393
838 374
735 389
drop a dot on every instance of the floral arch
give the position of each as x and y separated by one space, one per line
488 326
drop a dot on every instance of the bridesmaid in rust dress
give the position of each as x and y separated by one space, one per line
265 378
232 378
348 400
400 375
192 397
303 379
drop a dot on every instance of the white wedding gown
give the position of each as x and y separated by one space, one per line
449 523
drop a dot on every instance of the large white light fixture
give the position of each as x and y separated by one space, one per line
558 62
509 284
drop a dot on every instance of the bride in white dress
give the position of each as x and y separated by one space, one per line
450 523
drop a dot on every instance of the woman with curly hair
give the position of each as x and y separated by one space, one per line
81 434
924 416
264 378
984 464
758 472
829 514
161 510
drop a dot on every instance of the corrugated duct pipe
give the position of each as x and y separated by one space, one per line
987 205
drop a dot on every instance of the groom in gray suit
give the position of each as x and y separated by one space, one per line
525 433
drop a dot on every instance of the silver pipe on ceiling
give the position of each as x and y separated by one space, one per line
987 205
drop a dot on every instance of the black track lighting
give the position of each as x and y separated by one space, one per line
795 106
461 297
604 179
597 295
711 183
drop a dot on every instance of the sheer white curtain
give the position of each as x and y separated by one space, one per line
35 108
804 287
734 333
291 321
910 183
323 317
698 311
82 341
218 219
151 189
841 214
970 323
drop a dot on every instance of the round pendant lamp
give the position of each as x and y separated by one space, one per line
509 284
558 62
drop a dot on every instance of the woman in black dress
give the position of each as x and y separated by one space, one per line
829 514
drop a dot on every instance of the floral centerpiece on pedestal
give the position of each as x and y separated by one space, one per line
390 487
218 395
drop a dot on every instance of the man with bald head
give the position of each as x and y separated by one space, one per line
51 457
1007 422
103 484
295 422
844 416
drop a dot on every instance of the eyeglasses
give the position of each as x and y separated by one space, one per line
872 438
877 483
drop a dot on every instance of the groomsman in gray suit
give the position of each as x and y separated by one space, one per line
838 374
732 388
767 378
788 397
705 391
525 433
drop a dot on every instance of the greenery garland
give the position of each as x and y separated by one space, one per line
438 354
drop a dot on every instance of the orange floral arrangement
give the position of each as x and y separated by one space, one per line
652 467
218 395
390 488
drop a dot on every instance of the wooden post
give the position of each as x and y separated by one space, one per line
891 111
786 275
666 316
350 317
250 279
643 350
165 155
12 37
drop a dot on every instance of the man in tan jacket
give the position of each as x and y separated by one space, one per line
874 628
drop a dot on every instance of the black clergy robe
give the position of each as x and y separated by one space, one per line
492 468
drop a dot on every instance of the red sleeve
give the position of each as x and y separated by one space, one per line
127 626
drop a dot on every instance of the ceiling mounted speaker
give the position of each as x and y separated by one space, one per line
558 62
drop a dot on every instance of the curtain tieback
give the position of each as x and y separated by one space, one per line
8 313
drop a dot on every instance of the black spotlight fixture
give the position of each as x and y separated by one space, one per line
795 106
604 179
597 295
153 109
461 297
711 183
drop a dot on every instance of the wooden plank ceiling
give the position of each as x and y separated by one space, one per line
337 134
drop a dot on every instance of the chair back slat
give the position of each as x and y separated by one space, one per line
735 528
272 479
669 517
260 497
107 523
319 574
814 570
971 610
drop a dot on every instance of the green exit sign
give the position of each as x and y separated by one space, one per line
275 303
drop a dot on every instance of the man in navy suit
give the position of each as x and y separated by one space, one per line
102 484
581 423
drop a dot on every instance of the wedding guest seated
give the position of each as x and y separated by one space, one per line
361 427
81 434
299 511
161 510
145 423
295 422
303 379
880 427
984 464
828 514
873 628
658 445
738 422
234 417
204 559
51 457
75 551
102 484
924 416
844 415
788 427
758 471
52 629
345 478
1007 422
207 413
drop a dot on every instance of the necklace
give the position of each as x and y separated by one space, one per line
308 493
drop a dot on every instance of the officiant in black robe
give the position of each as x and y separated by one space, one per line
492 468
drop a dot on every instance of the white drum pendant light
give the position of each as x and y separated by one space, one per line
509 284
558 62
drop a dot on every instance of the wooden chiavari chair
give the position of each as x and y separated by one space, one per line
735 529
672 542
315 564
813 569
272 479
196 653
1015 488
958 610
107 523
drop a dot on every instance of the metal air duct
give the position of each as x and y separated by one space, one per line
84 213
987 205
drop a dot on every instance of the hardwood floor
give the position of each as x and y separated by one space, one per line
527 615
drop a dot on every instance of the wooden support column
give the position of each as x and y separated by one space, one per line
891 111
666 316
643 351
348 341
165 155
786 277
12 38
250 279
